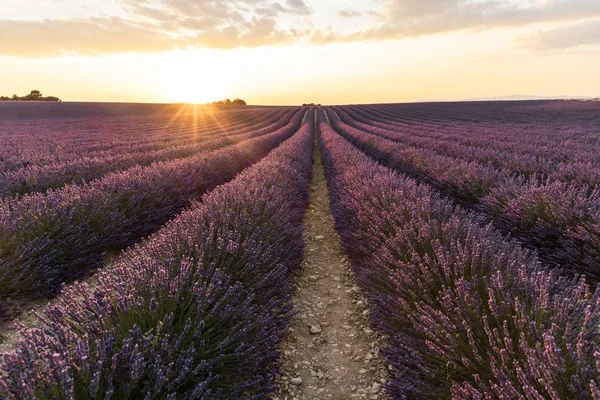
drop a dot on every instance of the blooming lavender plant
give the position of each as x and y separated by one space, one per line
47 239
542 214
39 178
27 140
196 311
467 313
566 154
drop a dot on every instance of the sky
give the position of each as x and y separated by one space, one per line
289 52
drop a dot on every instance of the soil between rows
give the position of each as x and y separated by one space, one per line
331 353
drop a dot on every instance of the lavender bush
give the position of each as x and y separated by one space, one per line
36 178
195 312
468 313
46 239
535 149
29 141
548 216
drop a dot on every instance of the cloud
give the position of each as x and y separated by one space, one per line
570 36
153 26
349 13
411 18
298 7
158 25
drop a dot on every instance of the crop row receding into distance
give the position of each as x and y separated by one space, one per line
423 197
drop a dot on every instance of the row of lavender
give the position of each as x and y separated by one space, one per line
570 116
195 312
467 313
560 220
39 142
90 166
54 141
47 239
101 132
540 151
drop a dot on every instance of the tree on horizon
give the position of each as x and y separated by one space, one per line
228 102
34 95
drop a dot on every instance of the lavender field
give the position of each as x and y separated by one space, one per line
162 248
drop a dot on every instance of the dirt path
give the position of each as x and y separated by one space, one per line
331 352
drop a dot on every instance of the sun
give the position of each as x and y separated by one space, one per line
188 80
190 88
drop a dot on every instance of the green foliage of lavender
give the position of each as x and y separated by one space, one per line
195 312
468 314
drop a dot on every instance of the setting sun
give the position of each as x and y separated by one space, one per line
189 78
192 89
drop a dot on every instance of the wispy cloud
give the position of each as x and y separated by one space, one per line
157 25
349 13
411 18
566 37
80 36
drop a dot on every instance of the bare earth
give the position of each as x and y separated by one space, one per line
331 352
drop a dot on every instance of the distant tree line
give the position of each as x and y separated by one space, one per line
311 104
35 95
228 102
